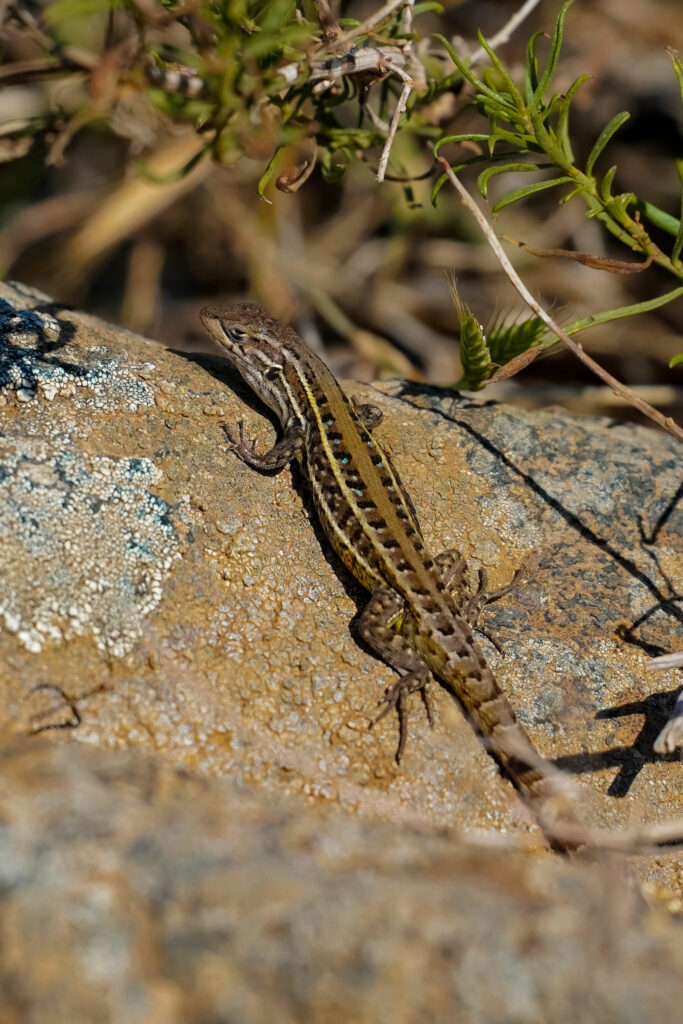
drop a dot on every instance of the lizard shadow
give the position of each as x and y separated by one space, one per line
656 708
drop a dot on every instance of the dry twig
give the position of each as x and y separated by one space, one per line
501 37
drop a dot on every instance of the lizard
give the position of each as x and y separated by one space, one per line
419 618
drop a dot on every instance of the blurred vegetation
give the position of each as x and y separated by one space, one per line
157 155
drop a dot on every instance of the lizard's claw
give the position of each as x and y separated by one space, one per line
243 446
395 697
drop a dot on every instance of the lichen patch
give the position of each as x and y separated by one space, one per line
86 547
35 361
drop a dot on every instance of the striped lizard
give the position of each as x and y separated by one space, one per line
418 616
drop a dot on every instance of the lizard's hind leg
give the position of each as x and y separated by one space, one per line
453 569
376 625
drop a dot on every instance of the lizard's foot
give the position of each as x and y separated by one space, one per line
396 698
242 445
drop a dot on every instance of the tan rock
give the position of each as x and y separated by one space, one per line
132 892
184 605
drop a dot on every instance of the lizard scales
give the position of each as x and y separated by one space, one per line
413 620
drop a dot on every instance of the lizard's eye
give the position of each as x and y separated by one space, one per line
272 373
235 333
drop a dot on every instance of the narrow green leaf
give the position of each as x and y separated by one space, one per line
467 137
678 69
464 70
622 311
427 5
456 168
605 187
490 172
522 143
660 218
554 56
676 360
268 173
437 186
570 195
605 135
528 190
678 244
563 115
514 92
531 77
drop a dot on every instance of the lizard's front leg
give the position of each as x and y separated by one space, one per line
384 609
276 458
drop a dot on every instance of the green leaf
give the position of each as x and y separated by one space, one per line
605 188
528 190
563 105
553 57
464 70
427 5
660 218
437 186
678 244
678 69
622 311
676 360
490 172
332 165
531 77
467 137
514 92
268 173
605 135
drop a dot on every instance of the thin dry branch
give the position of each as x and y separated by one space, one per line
400 107
383 14
628 840
501 37
666 422
559 819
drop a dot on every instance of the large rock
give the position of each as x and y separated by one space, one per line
182 604
132 893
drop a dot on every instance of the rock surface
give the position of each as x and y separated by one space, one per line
174 601
130 892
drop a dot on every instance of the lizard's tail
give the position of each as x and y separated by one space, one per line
546 790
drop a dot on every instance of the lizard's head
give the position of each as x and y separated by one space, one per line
257 344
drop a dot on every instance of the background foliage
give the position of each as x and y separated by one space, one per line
141 202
